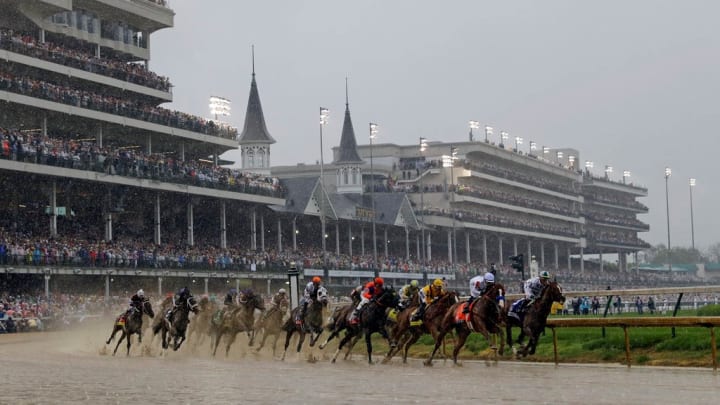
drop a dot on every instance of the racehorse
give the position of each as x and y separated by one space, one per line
339 321
533 321
313 322
174 325
372 319
405 334
241 319
200 325
271 323
485 317
130 324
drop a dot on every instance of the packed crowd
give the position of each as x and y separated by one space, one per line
84 155
69 95
511 173
82 59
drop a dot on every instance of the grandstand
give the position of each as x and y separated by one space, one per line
100 179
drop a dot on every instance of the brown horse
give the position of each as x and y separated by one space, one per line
313 322
533 321
130 324
339 321
241 319
271 325
405 334
200 325
485 317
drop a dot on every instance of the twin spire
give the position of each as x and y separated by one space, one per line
254 130
347 152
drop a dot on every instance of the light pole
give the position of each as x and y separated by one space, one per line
451 163
324 115
533 146
423 147
373 134
608 170
503 136
626 176
692 219
518 142
473 125
668 172
488 132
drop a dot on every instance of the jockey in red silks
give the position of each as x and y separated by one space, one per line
372 289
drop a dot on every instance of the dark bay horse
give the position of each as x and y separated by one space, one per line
485 317
271 324
534 319
241 319
130 324
372 319
174 326
313 322
405 334
339 322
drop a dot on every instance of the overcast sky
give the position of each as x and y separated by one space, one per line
632 84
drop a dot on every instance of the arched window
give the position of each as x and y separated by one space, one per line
250 158
354 176
261 158
345 175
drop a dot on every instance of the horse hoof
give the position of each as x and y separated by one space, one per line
427 363
458 364
321 347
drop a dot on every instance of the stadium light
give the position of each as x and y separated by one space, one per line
571 159
533 146
503 136
559 155
473 125
626 175
668 172
219 106
608 170
518 141
692 220
488 132
373 135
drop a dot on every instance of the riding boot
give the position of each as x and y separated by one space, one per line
466 310
301 314
355 317
419 314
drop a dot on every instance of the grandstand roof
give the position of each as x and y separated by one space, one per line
254 130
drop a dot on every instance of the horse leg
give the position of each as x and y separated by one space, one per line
411 341
301 339
218 335
352 344
129 335
118 342
112 335
462 335
368 344
342 343
440 339
262 342
230 341
275 340
288 335
334 334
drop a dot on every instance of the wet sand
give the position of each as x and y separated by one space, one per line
76 366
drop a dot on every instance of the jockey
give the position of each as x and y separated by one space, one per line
478 286
231 298
279 301
427 295
309 295
181 296
372 290
533 287
136 301
407 293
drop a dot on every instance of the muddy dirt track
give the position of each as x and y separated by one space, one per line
73 367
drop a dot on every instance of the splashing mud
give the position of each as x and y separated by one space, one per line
76 366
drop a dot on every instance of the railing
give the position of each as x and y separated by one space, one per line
625 323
